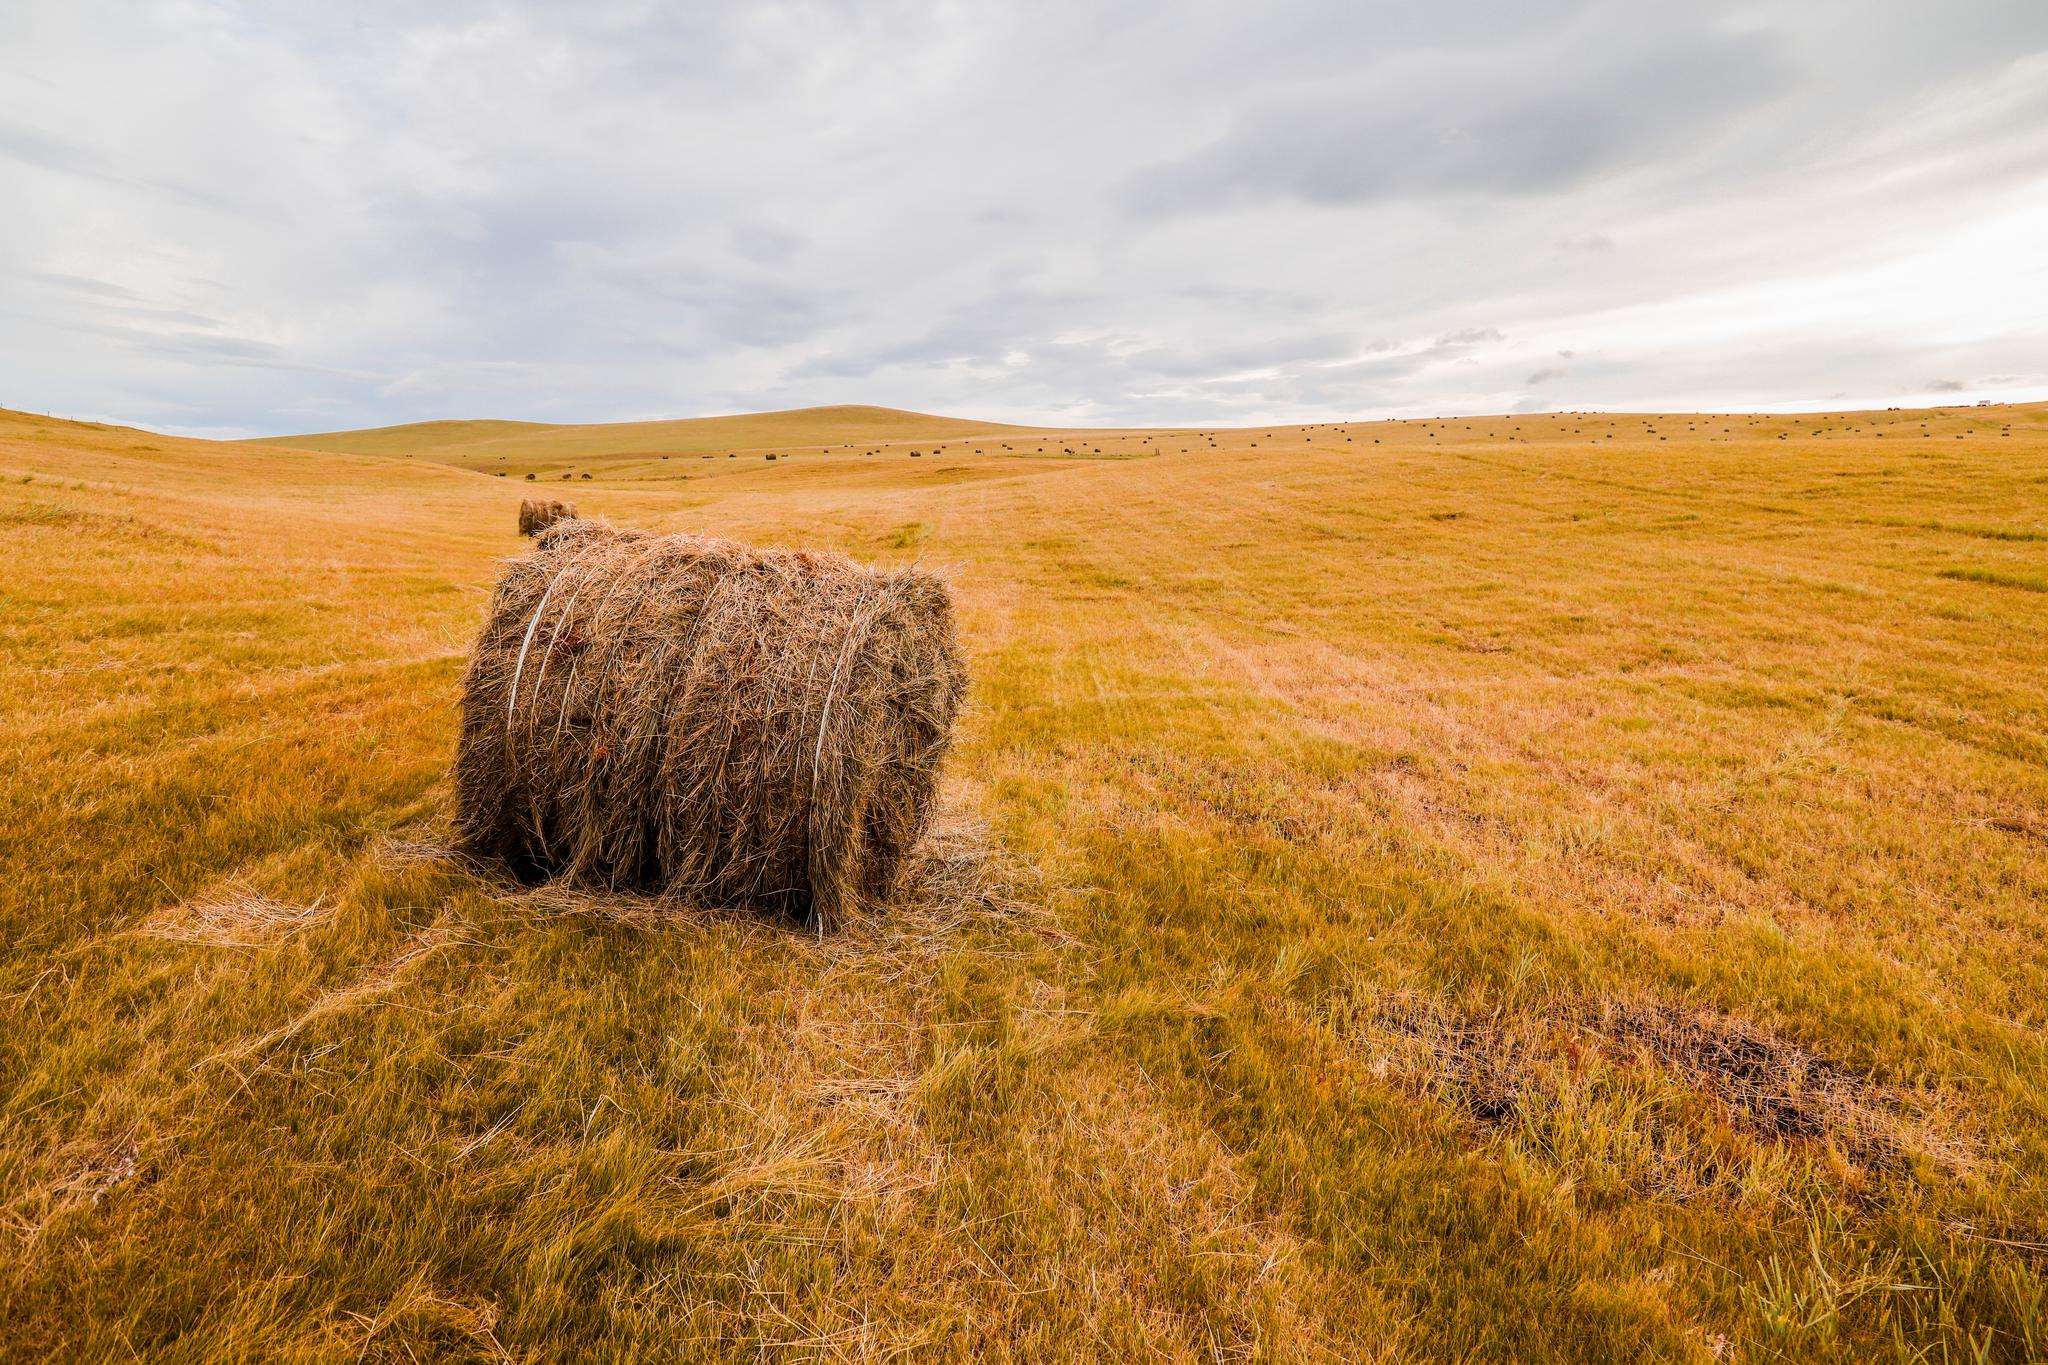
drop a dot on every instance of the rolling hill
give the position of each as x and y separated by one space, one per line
521 446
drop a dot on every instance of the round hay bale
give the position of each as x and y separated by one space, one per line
703 720
537 514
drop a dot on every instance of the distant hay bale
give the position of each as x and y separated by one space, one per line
707 721
537 514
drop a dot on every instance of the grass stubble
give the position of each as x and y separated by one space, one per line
1560 887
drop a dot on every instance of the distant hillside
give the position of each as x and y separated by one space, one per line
413 437
476 444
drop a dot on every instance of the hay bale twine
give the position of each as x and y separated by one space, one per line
537 514
704 720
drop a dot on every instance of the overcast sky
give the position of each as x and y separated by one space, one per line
235 219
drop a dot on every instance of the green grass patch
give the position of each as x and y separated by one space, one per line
1999 579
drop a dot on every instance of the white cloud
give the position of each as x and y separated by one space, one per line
237 218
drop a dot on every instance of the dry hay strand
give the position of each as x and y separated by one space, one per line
377 982
94 1171
537 514
714 724
393 850
420 1322
234 916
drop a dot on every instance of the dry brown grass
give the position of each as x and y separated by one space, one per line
1702 729
379 980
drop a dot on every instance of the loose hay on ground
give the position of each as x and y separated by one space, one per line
715 724
235 916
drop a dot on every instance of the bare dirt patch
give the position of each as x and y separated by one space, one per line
1502 1068
1780 1090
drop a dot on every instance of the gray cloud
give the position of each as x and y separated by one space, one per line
44 150
236 219
1620 84
763 244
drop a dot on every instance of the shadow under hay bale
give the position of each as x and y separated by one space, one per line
954 875
537 514
706 721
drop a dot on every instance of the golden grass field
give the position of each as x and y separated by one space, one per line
1544 888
